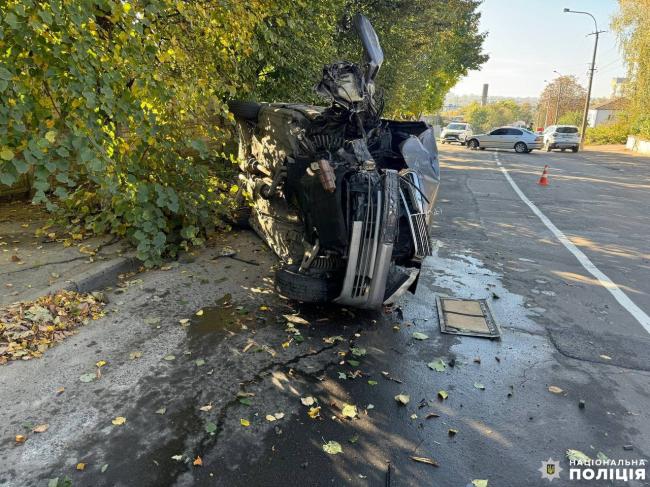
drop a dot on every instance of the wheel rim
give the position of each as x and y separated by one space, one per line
473 144
520 147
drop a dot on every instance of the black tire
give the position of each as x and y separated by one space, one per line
481 148
521 148
304 287
574 149
246 110
562 149
240 217
473 144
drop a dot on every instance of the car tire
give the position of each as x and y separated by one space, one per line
442 142
305 287
473 144
245 110
481 148
574 149
521 148
563 149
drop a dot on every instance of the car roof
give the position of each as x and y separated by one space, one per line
572 126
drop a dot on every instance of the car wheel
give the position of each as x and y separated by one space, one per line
305 287
562 150
473 144
481 148
574 149
521 148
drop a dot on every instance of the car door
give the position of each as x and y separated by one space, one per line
495 139
511 137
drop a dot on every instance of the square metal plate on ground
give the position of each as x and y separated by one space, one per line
472 317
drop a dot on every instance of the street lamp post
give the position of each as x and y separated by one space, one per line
591 74
559 94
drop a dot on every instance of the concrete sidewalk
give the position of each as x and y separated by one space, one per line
31 265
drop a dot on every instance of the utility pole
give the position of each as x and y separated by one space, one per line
591 74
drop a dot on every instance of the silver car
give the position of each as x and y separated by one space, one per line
519 139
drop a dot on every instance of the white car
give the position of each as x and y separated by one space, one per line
562 137
520 139
456 132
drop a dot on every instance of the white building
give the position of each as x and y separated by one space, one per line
605 112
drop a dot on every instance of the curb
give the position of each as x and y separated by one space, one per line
100 276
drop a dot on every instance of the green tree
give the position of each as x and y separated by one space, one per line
632 24
504 112
571 118
562 95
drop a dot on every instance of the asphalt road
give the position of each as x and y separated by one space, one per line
560 327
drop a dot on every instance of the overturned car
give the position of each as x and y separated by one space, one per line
341 195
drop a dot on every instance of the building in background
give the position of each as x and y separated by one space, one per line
605 112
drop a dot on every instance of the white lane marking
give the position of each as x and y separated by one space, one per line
605 281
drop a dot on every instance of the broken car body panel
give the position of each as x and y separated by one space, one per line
342 196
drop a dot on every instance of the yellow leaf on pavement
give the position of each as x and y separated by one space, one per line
197 462
244 422
119 421
81 466
349 411
41 428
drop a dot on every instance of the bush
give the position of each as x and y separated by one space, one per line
612 133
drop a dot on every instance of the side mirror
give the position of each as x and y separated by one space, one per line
371 46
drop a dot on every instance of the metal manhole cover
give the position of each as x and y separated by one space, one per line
471 317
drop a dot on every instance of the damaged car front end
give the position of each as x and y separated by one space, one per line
343 196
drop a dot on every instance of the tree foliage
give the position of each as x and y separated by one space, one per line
571 118
504 112
632 24
118 108
562 95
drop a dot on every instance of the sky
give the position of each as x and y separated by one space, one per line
529 39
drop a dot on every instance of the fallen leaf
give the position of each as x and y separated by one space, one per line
151 320
286 344
20 438
334 339
480 386
480 483
279 415
206 408
60 391
41 428
199 362
178 458
358 352
104 468
210 427
270 417
199 312
443 395
169 357
452 432
244 422
403 399
101 363
342 376
332 447
426 460
555 390
135 355
349 411
354 363
353 439
119 421
314 412
89 377
438 365
605 357
307 400
184 321
372 382
577 456
296 320
161 411
81 466
414 416
197 462
246 401
419 336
